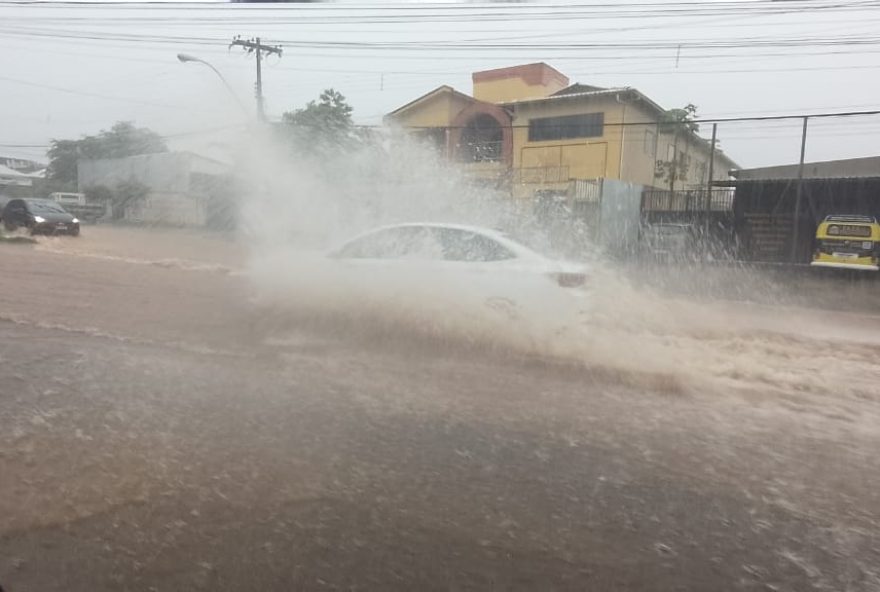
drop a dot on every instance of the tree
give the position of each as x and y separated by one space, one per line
121 140
323 124
679 123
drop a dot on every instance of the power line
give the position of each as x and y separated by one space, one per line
172 136
92 94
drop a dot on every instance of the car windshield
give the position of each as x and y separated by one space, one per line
440 295
45 207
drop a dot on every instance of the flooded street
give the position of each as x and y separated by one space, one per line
160 432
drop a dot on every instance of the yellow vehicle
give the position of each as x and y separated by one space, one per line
849 242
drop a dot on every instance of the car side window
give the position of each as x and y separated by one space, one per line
393 243
15 207
464 245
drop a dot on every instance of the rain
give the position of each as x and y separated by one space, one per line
446 301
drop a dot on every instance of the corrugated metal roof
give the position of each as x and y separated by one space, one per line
735 182
5 171
849 168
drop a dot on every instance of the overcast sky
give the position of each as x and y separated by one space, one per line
68 71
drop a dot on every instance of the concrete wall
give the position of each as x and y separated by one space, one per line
170 208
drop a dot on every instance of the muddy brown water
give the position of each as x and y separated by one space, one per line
160 433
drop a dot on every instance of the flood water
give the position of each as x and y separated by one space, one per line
178 414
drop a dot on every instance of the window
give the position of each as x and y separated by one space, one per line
462 245
481 140
408 242
588 125
650 138
701 173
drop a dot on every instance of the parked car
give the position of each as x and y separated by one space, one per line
39 216
78 206
670 242
68 199
848 242
457 248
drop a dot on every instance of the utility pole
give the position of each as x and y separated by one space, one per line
796 222
709 182
253 46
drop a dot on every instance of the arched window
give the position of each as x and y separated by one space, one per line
481 140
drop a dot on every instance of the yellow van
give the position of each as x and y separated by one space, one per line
849 242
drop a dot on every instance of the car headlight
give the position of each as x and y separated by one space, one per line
75 220
867 245
39 219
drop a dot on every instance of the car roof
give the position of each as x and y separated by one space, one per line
466 227
519 249
851 218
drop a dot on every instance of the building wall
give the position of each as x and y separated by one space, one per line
528 81
166 172
512 89
575 158
640 145
179 183
438 111
169 208
626 152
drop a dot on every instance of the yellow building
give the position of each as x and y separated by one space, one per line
528 128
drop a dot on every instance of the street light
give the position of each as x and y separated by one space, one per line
184 58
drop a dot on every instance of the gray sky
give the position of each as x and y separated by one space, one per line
68 71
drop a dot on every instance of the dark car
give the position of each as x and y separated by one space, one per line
40 216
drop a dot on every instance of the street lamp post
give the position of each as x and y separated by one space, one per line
184 58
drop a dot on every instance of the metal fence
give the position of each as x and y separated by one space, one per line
689 200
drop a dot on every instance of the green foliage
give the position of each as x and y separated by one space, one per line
123 139
325 124
680 120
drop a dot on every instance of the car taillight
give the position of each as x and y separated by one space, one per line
570 280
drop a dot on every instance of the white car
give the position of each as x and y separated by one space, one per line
458 249
441 279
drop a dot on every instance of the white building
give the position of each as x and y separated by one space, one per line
185 189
